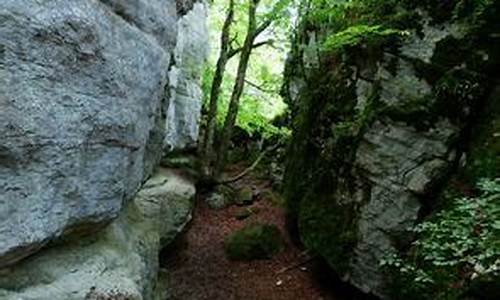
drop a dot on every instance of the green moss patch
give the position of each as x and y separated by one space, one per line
246 213
255 241
359 34
245 196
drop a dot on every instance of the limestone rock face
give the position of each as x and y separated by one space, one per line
394 165
157 18
84 91
121 260
184 107
376 135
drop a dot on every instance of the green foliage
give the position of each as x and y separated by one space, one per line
253 118
254 241
260 101
358 22
454 248
356 35
483 160
364 21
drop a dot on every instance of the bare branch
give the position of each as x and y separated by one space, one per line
249 169
234 52
260 88
263 27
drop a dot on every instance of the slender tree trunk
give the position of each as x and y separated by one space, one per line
237 89
207 148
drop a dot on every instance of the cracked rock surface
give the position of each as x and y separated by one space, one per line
83 104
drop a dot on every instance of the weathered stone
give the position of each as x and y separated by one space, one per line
79 106
245 196
375 139
83 99
154 17
120 260
191 52
403 88
398 163
423 46
222 197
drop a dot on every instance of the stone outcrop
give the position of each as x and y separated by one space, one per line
85 110
120 261
378 129
184 110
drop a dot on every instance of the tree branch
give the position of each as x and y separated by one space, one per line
263 27
254 85
249 169
296 265
233 52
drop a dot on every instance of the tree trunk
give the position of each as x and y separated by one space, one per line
207 152
237 89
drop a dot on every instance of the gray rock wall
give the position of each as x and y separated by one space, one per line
184 107
379 128
121 261
84 91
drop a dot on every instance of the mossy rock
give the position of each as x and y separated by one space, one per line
245 196
222 197
245 213
254 241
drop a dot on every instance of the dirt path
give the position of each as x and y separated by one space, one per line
201 271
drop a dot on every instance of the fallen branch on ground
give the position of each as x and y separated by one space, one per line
296 265
249 169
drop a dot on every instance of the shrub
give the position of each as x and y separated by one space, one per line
455 249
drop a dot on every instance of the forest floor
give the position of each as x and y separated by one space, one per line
199 270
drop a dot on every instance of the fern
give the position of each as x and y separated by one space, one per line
358 34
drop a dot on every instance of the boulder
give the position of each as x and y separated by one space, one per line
221 197
254 241
245 196
83 99
120 261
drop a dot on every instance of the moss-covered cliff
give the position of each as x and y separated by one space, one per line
390 100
